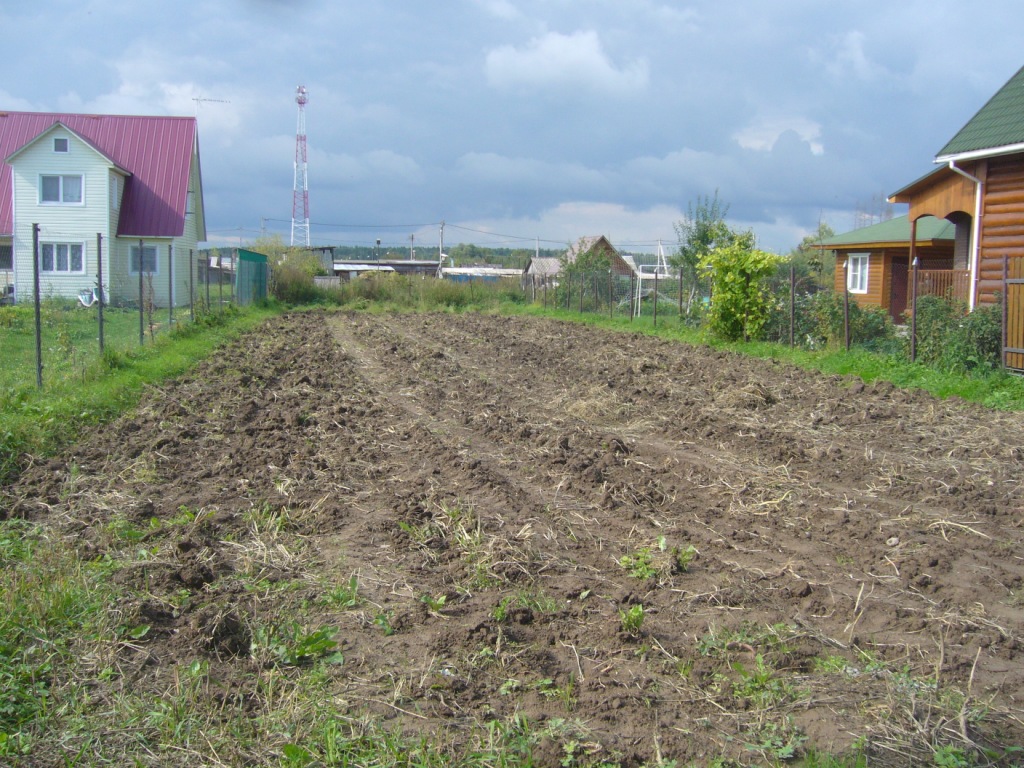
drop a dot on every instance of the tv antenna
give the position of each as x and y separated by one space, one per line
199 100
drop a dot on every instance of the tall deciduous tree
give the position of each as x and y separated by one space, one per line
700 232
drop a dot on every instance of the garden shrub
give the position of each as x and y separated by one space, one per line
952 339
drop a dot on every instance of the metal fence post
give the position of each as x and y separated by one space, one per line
611 303
913 311
99 284
792 304
846 304
191 286
655 298
142 323
170 286
680 293
36 300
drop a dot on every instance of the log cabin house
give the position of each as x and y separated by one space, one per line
877 260
979 188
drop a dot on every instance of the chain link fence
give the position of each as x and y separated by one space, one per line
49 338
802 314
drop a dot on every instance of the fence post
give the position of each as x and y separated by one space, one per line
655 298
846 305
142 321
99 284
792 304
220 283
680 293
170 286
611 303
191 286
583 282
632 277
913 311
36 300
568 292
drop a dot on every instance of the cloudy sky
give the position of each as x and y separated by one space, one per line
512 120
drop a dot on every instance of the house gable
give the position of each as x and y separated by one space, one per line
158 152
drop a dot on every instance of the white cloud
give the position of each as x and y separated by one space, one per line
763 134
560 60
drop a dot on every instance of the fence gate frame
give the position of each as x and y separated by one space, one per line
1013 313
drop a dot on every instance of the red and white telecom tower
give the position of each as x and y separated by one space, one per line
300 191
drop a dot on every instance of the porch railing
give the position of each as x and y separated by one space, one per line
947 283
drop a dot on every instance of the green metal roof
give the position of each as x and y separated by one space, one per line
997 124
895 230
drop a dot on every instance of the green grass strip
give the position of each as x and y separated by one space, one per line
40 422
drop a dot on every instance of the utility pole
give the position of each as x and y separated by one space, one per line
412 247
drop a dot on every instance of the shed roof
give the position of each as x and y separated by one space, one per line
544 265
894 232
156 151
1000 123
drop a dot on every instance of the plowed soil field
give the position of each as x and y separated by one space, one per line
623 548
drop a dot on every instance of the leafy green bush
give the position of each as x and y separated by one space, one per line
740 301
952 339
822 317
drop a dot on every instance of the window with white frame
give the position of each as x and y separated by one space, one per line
150 263
61 258
61 190
115 202
857 272
60 144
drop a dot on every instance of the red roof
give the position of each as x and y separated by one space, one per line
157 151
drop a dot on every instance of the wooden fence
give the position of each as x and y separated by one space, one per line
1013 313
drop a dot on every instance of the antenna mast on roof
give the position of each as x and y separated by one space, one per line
300 190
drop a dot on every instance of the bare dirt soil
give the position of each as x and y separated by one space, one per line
645 550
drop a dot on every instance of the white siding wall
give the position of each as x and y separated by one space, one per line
59 223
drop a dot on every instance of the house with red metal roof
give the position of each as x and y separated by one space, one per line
100 195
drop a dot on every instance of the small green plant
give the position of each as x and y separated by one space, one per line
777 741
683 556
383 621
632 619
564 693
434 604
640 564
534 600
760 685
951 757
292 645
345 596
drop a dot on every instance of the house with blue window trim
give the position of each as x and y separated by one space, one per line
94 194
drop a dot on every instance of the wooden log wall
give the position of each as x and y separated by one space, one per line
1002 224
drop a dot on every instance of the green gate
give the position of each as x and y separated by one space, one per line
251 277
